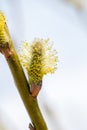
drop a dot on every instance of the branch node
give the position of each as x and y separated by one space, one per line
35 90
32 127
6 50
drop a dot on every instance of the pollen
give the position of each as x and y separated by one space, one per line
3 37
39 59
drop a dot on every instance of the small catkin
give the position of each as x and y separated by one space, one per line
38 59
3 33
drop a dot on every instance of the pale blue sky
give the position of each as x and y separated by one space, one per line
66 90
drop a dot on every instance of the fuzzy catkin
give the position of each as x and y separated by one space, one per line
38 58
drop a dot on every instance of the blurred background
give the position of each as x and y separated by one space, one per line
63 99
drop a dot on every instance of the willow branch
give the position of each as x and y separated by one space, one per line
31 104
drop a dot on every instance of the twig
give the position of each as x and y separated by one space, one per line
31 104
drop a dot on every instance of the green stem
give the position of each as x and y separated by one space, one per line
30 102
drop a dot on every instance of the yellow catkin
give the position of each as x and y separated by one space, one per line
3 36
38 59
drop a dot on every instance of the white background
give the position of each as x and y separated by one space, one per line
63 99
